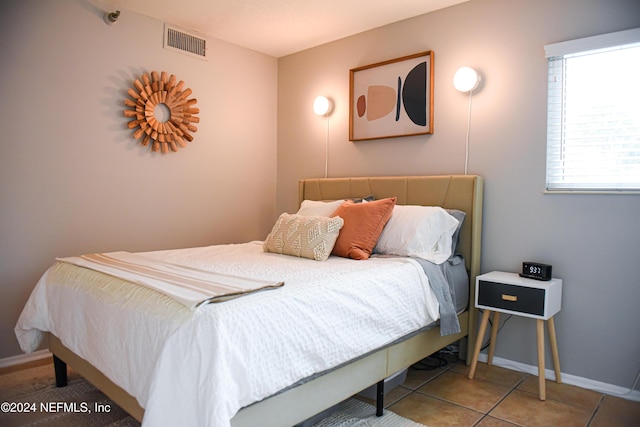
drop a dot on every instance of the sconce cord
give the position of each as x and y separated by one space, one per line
326 150
466 156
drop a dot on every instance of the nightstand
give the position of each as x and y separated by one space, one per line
501 292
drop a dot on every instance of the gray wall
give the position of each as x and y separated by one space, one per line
73 180
592 241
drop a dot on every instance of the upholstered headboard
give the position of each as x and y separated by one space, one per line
463 192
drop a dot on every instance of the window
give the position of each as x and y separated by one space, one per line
593 113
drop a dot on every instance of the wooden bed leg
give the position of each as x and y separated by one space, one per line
60 368
380 398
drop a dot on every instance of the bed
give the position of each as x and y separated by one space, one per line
304 397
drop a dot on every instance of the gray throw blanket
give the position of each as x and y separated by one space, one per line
439 276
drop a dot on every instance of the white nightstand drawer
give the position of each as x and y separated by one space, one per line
510 293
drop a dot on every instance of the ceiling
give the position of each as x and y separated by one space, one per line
277 27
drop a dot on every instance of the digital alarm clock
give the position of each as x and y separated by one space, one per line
535 270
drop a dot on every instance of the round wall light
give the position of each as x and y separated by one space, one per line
322 105
466 79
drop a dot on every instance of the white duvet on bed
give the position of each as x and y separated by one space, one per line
200 368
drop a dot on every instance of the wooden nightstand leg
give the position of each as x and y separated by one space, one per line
494 336
540 333
554 348
476 351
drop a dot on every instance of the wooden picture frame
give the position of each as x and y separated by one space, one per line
392 98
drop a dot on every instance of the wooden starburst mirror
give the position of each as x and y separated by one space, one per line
162 114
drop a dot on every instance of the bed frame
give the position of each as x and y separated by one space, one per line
296 404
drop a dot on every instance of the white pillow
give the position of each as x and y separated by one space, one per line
418 231
317 208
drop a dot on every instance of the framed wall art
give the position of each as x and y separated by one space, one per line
392 98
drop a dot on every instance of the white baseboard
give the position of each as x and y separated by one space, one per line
24 358
581 382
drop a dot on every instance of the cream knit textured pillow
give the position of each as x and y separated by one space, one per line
310 237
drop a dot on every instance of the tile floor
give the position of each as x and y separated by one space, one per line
499 397
496 397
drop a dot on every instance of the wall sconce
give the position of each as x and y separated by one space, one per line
466 79
322 105
111 18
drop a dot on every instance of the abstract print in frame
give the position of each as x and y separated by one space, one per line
392 98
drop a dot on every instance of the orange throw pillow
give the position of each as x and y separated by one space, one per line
363 223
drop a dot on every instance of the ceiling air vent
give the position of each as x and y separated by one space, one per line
185 42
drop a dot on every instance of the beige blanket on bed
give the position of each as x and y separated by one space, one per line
189 286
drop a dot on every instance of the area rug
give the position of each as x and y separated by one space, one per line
81 404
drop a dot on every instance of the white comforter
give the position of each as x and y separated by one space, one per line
200 368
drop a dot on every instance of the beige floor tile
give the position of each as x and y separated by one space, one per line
433 412
526 409
565 393
417 378
479 395
617 411
489 421
396 394
390 397
603 420
496 374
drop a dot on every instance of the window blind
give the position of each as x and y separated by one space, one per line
593 114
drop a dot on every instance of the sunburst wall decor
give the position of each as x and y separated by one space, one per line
162 114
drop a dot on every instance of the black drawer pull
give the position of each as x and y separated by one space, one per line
506 297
